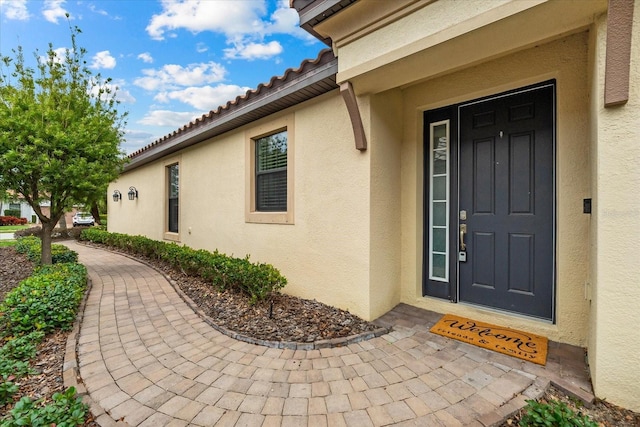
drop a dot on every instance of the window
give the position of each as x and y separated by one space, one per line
173 187
269 172
439 201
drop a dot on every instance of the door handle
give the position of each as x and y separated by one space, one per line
463 231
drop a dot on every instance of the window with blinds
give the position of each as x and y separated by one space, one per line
271 173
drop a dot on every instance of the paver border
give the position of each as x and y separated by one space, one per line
71 372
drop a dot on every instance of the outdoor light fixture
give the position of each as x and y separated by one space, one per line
117 196
133 193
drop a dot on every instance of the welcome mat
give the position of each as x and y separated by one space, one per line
523 345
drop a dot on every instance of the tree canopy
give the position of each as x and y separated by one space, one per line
60 132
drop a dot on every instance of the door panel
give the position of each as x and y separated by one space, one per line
506 185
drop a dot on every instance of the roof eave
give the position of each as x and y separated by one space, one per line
315 82
312 12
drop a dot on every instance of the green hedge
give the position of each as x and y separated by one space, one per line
31 246
12 212
255 279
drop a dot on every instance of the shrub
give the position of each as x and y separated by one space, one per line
257 280
12 220
27 244
66 409
68 233
21 348
553 413
12 212
45 301
7 389
32 247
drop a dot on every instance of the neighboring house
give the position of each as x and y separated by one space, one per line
26 211
478 157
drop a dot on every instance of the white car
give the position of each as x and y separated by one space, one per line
83 218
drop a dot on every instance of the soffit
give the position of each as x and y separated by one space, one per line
511 27
365 17
313 12
311 79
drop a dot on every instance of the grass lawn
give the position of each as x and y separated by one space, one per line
12 228
4 243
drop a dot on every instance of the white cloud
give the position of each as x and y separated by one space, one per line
227 17
284 20
135 139
14 9
201 48
253 51
244 23
60 55
93 8
172 76
53 10
146 57
172 119
115 90
205 97
103 60
122 94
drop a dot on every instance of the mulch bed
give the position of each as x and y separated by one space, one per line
280 318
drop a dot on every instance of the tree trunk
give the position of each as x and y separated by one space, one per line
47 229
63 222
96 213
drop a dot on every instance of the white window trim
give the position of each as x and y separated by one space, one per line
251 135
169 235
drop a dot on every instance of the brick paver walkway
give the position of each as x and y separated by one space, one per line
147 359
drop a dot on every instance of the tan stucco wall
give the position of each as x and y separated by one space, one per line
614 338
385 150
566 61
324 255
431 38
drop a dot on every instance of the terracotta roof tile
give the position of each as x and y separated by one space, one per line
325 56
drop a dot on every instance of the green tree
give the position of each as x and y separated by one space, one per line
60 132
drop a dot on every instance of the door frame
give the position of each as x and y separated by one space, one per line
452 113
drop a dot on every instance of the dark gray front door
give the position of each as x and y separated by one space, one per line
506 202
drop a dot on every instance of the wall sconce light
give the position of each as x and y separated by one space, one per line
133 193
117 196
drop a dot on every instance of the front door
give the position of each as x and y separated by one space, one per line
500 233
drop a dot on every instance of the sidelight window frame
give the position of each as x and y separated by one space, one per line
435 150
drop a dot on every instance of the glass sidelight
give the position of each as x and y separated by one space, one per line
439 201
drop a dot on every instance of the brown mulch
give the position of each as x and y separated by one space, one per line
281 318
14 268
292 319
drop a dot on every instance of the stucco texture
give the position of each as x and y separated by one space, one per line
324 254
614 339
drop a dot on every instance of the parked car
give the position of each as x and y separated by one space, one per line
83 218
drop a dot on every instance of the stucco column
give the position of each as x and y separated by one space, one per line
614 342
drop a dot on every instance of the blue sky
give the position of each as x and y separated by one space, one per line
171 60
